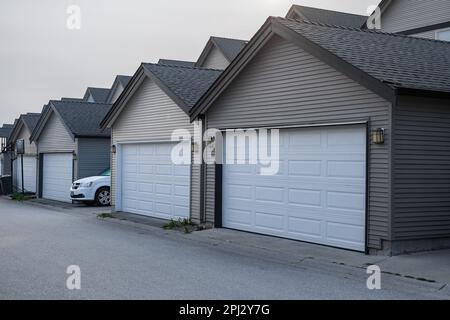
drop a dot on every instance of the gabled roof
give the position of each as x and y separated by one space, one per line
230 48
119 80
388 64
176 63
81 119
184 85
326 16
29 120
98 94
6 130
123 79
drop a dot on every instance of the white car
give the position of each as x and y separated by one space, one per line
93 189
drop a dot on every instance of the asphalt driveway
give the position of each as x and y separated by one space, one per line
125 261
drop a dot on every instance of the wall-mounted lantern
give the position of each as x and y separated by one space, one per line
74 156
194 147
378 136
113 149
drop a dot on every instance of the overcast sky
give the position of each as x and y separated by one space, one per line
41 59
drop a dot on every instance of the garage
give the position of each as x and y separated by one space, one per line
151 184
57 176
318 194
29 173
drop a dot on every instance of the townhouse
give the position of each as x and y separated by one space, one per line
361 115
5 155
24 153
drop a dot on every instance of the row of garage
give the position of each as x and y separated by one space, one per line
361 148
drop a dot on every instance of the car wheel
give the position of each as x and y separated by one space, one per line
103 197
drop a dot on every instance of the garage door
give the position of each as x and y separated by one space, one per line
57 176
317 196
151 184
29 173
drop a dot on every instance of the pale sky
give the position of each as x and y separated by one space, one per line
41 59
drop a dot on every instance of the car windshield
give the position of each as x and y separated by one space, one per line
106 173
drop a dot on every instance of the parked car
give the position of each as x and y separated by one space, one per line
93 189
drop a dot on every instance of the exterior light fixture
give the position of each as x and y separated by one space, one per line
378 136
74 157
194 148
113 149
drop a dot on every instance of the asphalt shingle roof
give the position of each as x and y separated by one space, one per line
187 83
331 17
99 94
229 47
176 63
400 61
6 130
31 120
124 80
83 118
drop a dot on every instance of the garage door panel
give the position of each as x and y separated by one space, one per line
318 195
57 176
310 229
152 184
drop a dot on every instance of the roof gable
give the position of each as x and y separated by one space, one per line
229 48
80 119
326 16
184 85
5 130
120 82
97 95
27 121
384 63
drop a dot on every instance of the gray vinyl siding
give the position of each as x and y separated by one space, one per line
55 137
215 60
421 169
30 147
93 156
285 86
195 192
149 116
402 15
6 163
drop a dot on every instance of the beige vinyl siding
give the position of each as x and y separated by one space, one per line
285 86
55 137
215 60
421 169
30 147
402 15
149 116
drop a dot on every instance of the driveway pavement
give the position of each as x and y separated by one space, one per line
121 259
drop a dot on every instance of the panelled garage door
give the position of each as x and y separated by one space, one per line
317 196
57 176
151 184
29 173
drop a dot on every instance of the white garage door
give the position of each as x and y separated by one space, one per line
317 196
151 184
29 173
57 176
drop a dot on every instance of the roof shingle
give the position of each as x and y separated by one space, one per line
400 61
229 47
327 16
83 118
187 83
